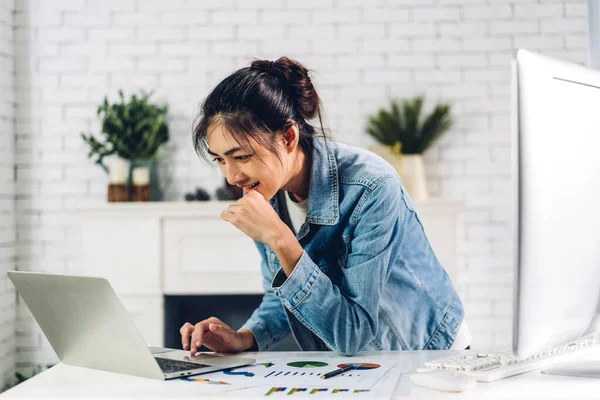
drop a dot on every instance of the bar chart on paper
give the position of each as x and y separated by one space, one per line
295 372
314 390
271 377
312 369
298 369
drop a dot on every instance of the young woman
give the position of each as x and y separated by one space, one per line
346 264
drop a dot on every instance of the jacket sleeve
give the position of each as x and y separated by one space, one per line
268 323
345 317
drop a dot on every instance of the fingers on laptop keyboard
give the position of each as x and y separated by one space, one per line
186 331
198 333
197 336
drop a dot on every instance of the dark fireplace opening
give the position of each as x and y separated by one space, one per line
234 310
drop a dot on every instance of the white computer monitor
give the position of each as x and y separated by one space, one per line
556 170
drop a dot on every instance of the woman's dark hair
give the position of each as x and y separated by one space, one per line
259 99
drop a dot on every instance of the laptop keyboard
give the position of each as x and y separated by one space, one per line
168 366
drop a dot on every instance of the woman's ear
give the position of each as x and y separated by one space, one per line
291 136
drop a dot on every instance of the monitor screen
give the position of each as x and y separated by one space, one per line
556 148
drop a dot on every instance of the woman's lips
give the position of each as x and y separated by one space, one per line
251 187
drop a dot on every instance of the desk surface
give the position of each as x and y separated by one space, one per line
64 381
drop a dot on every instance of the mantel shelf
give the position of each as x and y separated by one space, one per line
168 208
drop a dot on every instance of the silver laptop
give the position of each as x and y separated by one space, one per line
88 326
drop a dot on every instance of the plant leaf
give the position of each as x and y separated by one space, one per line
403 124
132 129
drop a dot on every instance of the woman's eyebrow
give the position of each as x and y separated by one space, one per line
228 152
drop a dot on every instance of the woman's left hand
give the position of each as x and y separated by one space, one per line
255 216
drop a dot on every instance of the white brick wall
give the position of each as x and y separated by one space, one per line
72 53
8 234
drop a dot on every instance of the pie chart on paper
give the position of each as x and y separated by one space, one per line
361 366
307 364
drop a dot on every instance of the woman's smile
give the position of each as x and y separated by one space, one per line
248 188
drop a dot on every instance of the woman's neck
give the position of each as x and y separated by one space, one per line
298 184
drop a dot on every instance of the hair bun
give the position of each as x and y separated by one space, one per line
298 84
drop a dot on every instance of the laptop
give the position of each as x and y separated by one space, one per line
88 326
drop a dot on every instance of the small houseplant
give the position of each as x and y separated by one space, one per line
407 135
134 131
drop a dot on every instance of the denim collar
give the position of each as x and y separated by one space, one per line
323 204
323 193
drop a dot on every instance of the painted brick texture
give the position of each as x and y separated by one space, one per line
70 54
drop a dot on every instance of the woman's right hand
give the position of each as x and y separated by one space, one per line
216 335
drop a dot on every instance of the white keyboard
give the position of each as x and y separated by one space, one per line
501 363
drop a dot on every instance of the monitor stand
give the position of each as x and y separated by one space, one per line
582 368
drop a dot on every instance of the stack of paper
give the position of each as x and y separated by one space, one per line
271 377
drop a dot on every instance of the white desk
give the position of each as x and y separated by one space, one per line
63 381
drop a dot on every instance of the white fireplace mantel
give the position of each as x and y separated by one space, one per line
148 250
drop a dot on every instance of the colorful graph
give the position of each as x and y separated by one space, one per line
314 391
339 390
290 374
296 390
207 381
275 390
307 364
242 373
361 366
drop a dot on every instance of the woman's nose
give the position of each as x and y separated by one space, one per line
233 176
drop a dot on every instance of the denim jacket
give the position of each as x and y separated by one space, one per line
368 278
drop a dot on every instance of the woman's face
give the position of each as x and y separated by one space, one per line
251 168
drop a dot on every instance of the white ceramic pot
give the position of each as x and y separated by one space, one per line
413 176
386 153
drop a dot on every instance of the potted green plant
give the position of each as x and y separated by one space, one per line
407 135
134 131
